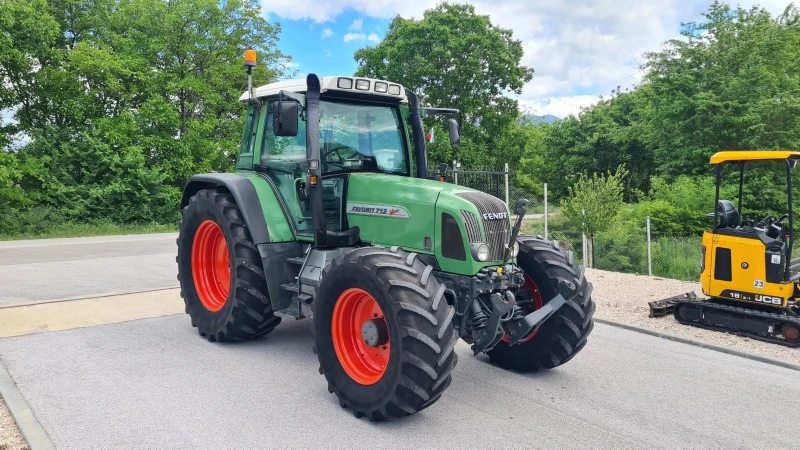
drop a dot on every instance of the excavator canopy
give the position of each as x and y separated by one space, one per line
752 155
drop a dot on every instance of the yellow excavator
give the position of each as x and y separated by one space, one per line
746 269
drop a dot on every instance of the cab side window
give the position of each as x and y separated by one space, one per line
286 148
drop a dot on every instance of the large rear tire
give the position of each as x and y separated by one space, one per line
383 333
219 269
564 334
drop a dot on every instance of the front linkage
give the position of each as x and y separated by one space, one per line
487 308
486 305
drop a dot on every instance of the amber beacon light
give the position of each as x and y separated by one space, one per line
249 58
250 63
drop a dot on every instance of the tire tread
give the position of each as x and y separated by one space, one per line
251 315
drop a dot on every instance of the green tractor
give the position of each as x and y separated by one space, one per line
331 215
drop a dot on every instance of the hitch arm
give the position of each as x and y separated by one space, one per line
519 210
520 329
493 332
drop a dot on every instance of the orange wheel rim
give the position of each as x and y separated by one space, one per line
536 295
360 336
211 265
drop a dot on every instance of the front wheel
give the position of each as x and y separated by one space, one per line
383 333
564 334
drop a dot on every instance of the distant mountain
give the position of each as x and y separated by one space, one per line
548 118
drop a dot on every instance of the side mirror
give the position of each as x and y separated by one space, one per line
519 207
455 138
284 118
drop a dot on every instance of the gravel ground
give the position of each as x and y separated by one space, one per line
623 297
10 438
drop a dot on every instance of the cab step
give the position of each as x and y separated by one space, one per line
299 260
296 310
291 287
302 297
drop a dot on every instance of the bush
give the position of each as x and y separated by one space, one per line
621 248
34 221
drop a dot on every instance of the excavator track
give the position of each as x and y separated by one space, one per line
775 327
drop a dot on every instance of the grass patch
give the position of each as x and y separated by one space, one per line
71 229
677 257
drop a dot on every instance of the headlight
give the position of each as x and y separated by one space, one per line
480 251
515 250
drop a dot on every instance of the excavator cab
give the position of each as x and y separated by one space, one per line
747 271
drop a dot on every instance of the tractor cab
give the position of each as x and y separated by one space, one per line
747 253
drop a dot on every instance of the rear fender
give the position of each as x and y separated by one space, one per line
254 196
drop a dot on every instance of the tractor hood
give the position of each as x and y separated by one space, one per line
409 212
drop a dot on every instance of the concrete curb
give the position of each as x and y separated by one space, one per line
701 344
29 426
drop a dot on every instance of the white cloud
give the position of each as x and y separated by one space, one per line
326 33
558 106
356 25
373 38
580 49
354 37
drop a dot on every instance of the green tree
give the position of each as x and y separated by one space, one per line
616 131
123 100
457 59
593 201
731 82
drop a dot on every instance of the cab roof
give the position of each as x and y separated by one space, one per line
752 155
357 85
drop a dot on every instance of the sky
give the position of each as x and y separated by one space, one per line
578 49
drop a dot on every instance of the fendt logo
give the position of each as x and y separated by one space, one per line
495 216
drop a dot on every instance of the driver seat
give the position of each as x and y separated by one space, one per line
728 215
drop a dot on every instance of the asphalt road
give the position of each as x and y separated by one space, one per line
155 383
49 269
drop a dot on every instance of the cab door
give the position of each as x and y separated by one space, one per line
283 161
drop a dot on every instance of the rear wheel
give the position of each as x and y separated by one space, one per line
383 333
564 334
219 269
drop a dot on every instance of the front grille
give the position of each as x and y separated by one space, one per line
498 231
473 229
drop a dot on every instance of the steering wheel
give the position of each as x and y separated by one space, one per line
336 149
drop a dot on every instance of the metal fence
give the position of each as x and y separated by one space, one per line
644 253
489 181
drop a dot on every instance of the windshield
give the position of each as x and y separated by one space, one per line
353 138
